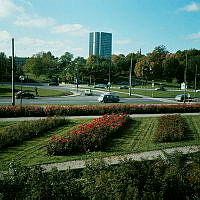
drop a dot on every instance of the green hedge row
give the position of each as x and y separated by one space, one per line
26 130
176 177
16 111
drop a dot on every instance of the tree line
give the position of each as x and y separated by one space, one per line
160 64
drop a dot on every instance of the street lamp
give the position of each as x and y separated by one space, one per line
21 78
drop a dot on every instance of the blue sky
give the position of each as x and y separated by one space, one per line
63 26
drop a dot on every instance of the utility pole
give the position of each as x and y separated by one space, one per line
130 73
185 78
195 80
13 74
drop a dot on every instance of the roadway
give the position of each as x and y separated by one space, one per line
77 98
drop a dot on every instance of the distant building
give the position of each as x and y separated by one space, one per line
100 43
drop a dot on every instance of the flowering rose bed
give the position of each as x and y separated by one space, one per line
88 136
77 110
170 128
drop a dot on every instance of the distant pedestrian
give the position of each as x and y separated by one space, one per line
36 91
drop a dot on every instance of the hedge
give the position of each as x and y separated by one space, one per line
74 110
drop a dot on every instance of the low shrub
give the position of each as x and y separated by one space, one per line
170 128
88 136
77 110
175 177
26 130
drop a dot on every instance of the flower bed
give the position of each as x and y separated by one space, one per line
88 136
74 110
170 128
25 130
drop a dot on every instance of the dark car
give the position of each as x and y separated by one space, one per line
108 98
54 84
123 87
24 94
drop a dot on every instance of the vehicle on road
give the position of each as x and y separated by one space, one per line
123 87
88 92
24 94
183 97
100 86
53 84
160 89
108 98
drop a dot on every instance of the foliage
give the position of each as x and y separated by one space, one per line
87 137
74 110
170 128
174 177
16 134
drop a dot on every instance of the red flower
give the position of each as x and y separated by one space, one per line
53 137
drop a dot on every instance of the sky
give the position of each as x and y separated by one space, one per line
61 26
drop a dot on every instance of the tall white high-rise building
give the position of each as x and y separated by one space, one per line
100 43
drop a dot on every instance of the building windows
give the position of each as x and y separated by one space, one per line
100 43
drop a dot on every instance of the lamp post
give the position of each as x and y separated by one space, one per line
21 78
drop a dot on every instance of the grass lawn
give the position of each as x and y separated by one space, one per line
136 138
158 94
6 91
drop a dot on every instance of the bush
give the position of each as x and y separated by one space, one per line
26 130
175 177
89 136
28 111
170 128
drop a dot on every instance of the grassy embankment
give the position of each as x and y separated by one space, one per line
6 91
139 137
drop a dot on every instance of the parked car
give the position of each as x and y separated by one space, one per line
24 94
108 98
123 87
197 90
88 92
100 86
182 97
53 84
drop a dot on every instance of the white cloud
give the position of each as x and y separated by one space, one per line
5 36
71 28
29 21
122 42
191 7
194 36
8 8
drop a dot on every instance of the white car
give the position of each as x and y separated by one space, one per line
88 92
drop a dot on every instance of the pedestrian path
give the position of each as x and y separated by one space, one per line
114 160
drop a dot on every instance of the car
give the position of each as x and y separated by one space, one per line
160 89
197 90
182 97
24 94
53 84
100 86
88 92
108 98
123 87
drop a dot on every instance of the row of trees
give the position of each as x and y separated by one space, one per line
157 65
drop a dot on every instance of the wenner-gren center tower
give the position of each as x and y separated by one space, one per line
100 44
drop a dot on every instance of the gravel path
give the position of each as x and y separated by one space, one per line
113 160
